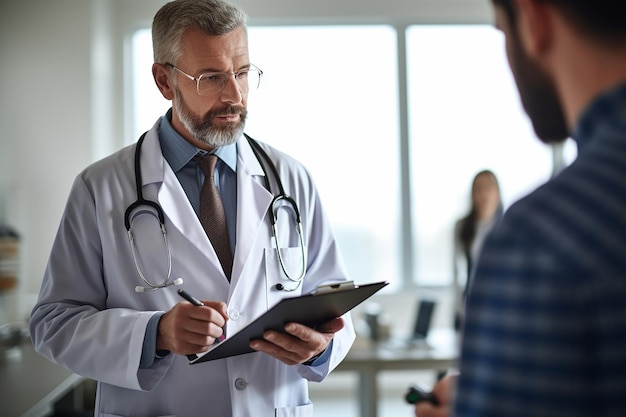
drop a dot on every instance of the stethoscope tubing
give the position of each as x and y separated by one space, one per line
141 201
261 155
272 211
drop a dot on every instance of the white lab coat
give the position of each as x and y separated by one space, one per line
90 319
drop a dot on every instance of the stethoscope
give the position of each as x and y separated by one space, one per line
279 201
276 205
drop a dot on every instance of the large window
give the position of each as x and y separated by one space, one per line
465 116
331 97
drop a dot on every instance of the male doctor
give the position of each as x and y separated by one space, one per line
109 309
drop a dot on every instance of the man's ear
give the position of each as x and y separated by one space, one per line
534 26
162 78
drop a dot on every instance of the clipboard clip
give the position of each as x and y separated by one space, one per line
336 286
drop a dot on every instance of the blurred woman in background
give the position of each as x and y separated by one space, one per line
470 232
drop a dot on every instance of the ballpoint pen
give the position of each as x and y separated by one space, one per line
189 297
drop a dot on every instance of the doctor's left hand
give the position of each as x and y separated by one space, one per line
300 343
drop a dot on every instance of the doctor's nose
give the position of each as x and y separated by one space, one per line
232 92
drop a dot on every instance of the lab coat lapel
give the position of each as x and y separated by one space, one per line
253 201
158 175
179 210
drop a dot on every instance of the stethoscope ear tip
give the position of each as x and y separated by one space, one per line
139 288
178 281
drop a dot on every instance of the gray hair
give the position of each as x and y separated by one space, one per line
213 17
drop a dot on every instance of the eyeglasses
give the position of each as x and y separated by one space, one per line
212 83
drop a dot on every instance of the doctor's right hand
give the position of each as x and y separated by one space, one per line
188 329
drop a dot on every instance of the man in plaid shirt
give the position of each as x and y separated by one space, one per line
545 329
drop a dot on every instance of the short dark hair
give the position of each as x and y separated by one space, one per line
603 19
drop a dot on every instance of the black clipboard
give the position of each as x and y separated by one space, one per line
324 304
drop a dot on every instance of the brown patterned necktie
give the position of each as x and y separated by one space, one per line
212 215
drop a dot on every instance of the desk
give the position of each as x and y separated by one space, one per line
31 385
368 359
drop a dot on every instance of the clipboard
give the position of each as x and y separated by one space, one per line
325 303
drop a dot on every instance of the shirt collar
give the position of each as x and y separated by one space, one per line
178 152
606 109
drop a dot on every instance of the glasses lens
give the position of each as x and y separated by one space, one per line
211 84
253 80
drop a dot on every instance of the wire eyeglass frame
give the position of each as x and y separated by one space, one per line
216 81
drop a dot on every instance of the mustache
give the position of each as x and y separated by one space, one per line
230 110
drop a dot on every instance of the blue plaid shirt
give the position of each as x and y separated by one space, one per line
545 330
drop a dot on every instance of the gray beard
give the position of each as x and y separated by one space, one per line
203 130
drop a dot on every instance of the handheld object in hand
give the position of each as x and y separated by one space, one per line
417 394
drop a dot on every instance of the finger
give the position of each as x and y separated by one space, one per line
201 333
308 334
332 326
298 330
443 390
298 349
203 329
426 409
204 313
289 358
287 348
287 342
219 306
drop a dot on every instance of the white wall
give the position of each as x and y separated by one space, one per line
45 121
63 92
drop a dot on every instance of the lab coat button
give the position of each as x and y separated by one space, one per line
240 384
233 314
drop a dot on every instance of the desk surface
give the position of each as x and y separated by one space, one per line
368 359
439 352
31 385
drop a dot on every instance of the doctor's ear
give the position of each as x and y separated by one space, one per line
163 79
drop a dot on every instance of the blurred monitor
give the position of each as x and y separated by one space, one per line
423 319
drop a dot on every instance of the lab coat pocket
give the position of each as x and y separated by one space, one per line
298 411
279 284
